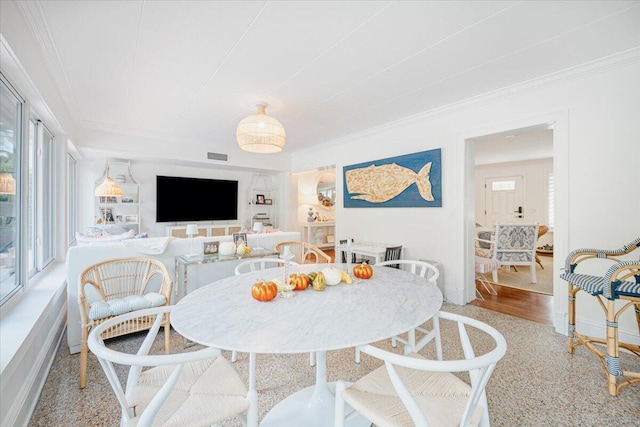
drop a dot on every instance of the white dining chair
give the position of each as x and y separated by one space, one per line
196 388
257 264
260 264
414 390
420 268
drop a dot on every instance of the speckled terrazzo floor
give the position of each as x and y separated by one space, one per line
537 383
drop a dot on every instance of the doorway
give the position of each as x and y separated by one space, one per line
514 184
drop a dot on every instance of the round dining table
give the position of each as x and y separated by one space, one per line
223 314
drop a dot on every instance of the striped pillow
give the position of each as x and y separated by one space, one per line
114 307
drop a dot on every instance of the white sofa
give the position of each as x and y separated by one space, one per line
80 257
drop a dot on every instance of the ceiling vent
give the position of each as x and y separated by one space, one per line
218 156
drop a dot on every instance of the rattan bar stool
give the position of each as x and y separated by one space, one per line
621 282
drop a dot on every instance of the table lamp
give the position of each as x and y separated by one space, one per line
257 228
192 229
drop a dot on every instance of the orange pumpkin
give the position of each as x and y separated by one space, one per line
300 282
363 271
264 291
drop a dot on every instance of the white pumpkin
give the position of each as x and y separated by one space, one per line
227 248
332 275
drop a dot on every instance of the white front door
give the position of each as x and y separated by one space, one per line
504 200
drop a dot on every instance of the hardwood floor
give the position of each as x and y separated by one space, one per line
516 302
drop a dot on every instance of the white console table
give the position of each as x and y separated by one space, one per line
327 228
182 262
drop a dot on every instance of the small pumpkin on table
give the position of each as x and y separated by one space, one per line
264 291
363 271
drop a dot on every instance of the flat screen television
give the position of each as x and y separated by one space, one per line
195 199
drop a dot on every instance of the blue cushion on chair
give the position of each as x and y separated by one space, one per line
590 284
594 285
629 289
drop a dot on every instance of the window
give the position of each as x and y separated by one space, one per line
11 116
26 192
72 200
45 212
550 198
503 185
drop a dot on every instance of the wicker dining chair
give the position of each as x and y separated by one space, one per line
412 390
304 253
422 269
260 264
117 286
257 264
194 388
621 282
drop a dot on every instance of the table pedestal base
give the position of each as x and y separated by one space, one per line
304 409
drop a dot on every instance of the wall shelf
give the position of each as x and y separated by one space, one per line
319 234
120 210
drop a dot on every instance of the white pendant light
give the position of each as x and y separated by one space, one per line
260 133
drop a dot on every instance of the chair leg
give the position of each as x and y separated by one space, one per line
357 355
234 356
312 359
533 273
539 262
613 352
339 408
494 276
84 352
411 340
571 344
167 339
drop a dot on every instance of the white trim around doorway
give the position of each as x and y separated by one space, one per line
465 202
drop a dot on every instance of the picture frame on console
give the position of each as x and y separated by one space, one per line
259 199
268 201
240 238
210 248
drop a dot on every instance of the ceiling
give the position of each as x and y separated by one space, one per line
189 71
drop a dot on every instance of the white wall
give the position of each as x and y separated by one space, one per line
534 173
596 110
145 173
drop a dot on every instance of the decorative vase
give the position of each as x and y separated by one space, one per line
227 248
310 217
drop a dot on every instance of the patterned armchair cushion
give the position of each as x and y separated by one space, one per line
516 243
514 237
